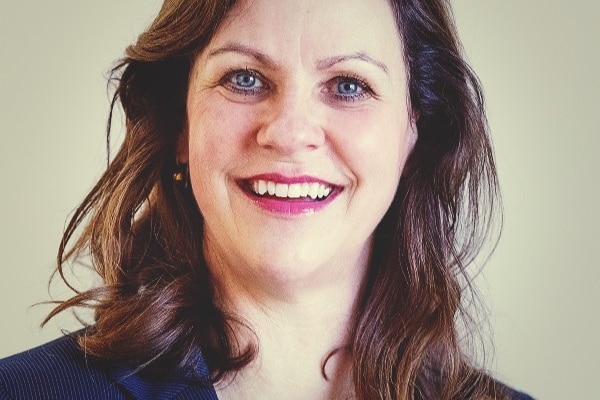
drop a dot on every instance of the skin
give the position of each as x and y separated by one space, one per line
296 88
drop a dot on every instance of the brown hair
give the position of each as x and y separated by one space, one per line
156 308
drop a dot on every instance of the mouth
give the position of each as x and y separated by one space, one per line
299 191
289 196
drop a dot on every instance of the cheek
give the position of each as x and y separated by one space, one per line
373 145
209 132
218 133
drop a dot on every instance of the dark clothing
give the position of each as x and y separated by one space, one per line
59 370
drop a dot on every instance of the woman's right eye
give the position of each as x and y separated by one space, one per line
246 82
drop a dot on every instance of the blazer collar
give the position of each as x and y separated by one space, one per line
179 387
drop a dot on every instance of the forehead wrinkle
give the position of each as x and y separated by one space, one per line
247 51
362 56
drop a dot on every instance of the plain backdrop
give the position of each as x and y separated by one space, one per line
538 62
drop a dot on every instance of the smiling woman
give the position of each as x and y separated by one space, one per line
296 115
300 192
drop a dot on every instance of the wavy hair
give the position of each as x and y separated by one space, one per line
156 308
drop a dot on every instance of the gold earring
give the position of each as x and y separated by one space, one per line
181 174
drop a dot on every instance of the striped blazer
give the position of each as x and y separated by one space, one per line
59 370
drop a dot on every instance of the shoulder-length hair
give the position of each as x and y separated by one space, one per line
156 306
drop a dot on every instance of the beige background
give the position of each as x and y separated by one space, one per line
539 64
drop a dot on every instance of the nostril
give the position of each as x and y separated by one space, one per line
291 136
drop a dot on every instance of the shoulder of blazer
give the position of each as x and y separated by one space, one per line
59 370
521 396
56 370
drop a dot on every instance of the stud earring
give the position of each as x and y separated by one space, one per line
181 175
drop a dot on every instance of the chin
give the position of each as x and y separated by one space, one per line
284 269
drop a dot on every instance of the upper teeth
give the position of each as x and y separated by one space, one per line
313 190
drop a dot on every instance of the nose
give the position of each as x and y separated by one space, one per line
292 126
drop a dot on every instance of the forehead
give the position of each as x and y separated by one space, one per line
315 28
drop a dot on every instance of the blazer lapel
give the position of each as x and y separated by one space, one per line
176 388
196 392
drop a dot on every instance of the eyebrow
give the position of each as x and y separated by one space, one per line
321 64
331 61
245 50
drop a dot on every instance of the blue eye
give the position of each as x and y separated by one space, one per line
246 82
348 88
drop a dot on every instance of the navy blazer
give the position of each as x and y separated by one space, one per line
59 370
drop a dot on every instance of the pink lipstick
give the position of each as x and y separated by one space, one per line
289 195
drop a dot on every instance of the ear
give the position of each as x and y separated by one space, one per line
413 132
412 135
182 154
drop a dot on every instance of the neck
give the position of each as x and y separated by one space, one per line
300 330
300 350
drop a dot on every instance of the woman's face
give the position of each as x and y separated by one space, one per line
298 130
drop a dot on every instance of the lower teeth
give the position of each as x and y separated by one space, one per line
304 198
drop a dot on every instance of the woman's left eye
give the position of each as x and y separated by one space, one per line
347 88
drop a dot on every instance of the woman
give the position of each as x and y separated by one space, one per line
291 215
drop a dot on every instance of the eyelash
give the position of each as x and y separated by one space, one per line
226 82
365 90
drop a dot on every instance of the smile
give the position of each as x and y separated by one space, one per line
303 190
288 196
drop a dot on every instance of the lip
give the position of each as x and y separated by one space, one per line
281 206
